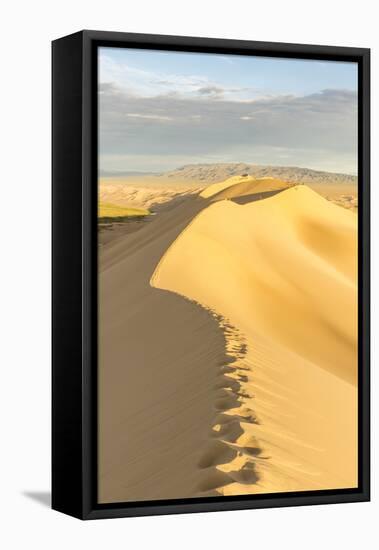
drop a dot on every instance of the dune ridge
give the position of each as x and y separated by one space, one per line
158 380
238 186
284 285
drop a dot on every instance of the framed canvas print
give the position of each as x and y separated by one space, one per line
210 274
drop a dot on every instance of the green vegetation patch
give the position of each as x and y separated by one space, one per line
111 212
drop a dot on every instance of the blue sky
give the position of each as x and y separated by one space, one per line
274 75
160 110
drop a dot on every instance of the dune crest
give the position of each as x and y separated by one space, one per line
216 188
283 271
238 186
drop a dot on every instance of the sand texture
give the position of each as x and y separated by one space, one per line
228 347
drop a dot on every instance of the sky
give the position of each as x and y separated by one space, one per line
161 110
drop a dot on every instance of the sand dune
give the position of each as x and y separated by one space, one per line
227 361
283 271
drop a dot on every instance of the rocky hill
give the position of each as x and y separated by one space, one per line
213 173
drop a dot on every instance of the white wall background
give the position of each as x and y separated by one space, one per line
27 29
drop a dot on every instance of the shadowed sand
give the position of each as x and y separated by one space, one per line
159 366
226 362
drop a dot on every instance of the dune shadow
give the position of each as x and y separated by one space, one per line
176 200
253 197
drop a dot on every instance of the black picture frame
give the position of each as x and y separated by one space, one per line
74 273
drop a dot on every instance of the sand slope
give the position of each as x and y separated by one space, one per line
159 363
283 272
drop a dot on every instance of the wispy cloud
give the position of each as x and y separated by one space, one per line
148 116
146 83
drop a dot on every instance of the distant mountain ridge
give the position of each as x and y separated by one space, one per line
213 173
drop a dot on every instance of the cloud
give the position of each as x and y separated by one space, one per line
224 92
211 90
318 128
145 83
148 116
